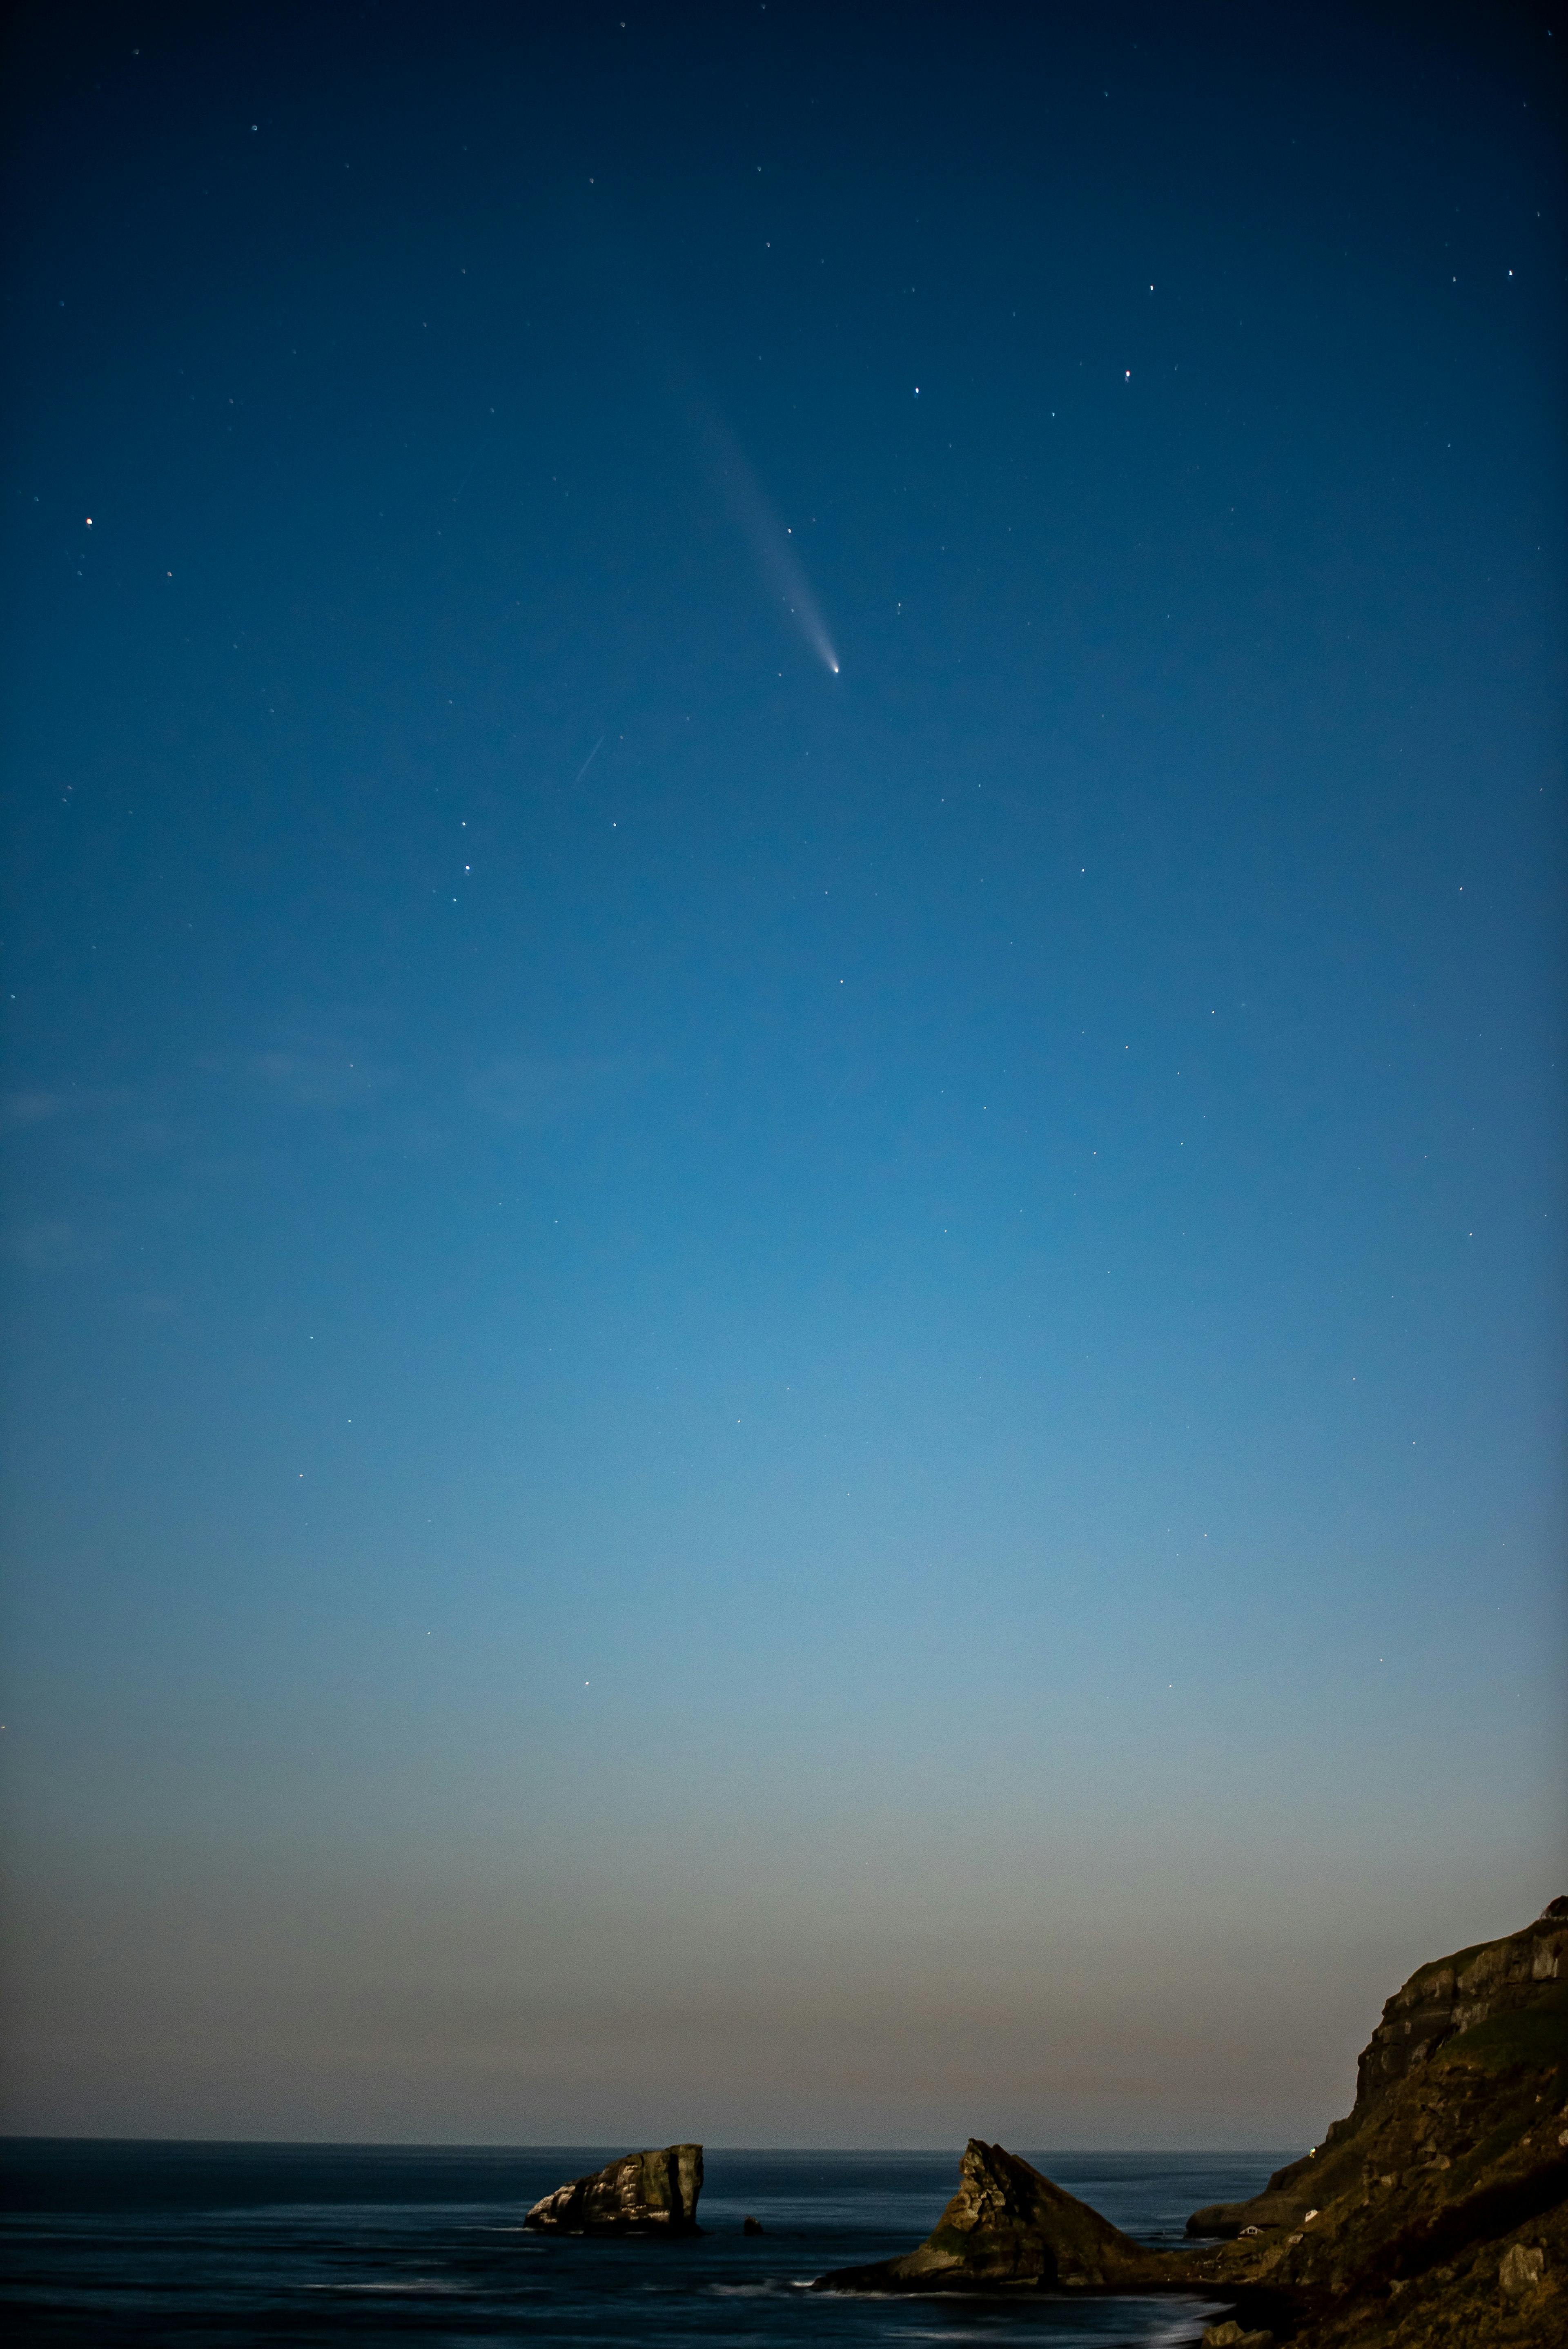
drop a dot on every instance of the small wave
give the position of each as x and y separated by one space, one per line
1181 2330
423 2285
805 2283
991 2332
1164 2338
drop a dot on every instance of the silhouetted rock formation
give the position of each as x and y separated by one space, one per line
640 2194
1436 2212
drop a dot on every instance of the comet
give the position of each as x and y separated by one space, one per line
727 466
783 570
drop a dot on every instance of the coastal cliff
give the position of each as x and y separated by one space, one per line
1524 1974
652 2193
1436 2212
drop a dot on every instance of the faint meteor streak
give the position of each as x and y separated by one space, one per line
473 462
588 762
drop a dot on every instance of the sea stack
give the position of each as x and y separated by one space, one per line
1007 2226
652 2193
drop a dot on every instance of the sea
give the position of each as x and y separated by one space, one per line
211 2246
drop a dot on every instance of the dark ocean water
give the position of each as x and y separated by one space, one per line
211 2246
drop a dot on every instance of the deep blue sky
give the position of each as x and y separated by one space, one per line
745 1402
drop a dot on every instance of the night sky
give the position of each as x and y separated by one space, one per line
785 949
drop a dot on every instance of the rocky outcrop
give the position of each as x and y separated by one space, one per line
1455 1994
1515 1987
641 2194
1009 2227
1437 2210
1435 2213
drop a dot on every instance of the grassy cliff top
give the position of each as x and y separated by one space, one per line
1536 2035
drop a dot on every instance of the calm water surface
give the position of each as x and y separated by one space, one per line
211 2246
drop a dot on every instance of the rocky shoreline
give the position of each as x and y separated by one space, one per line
1436 2210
